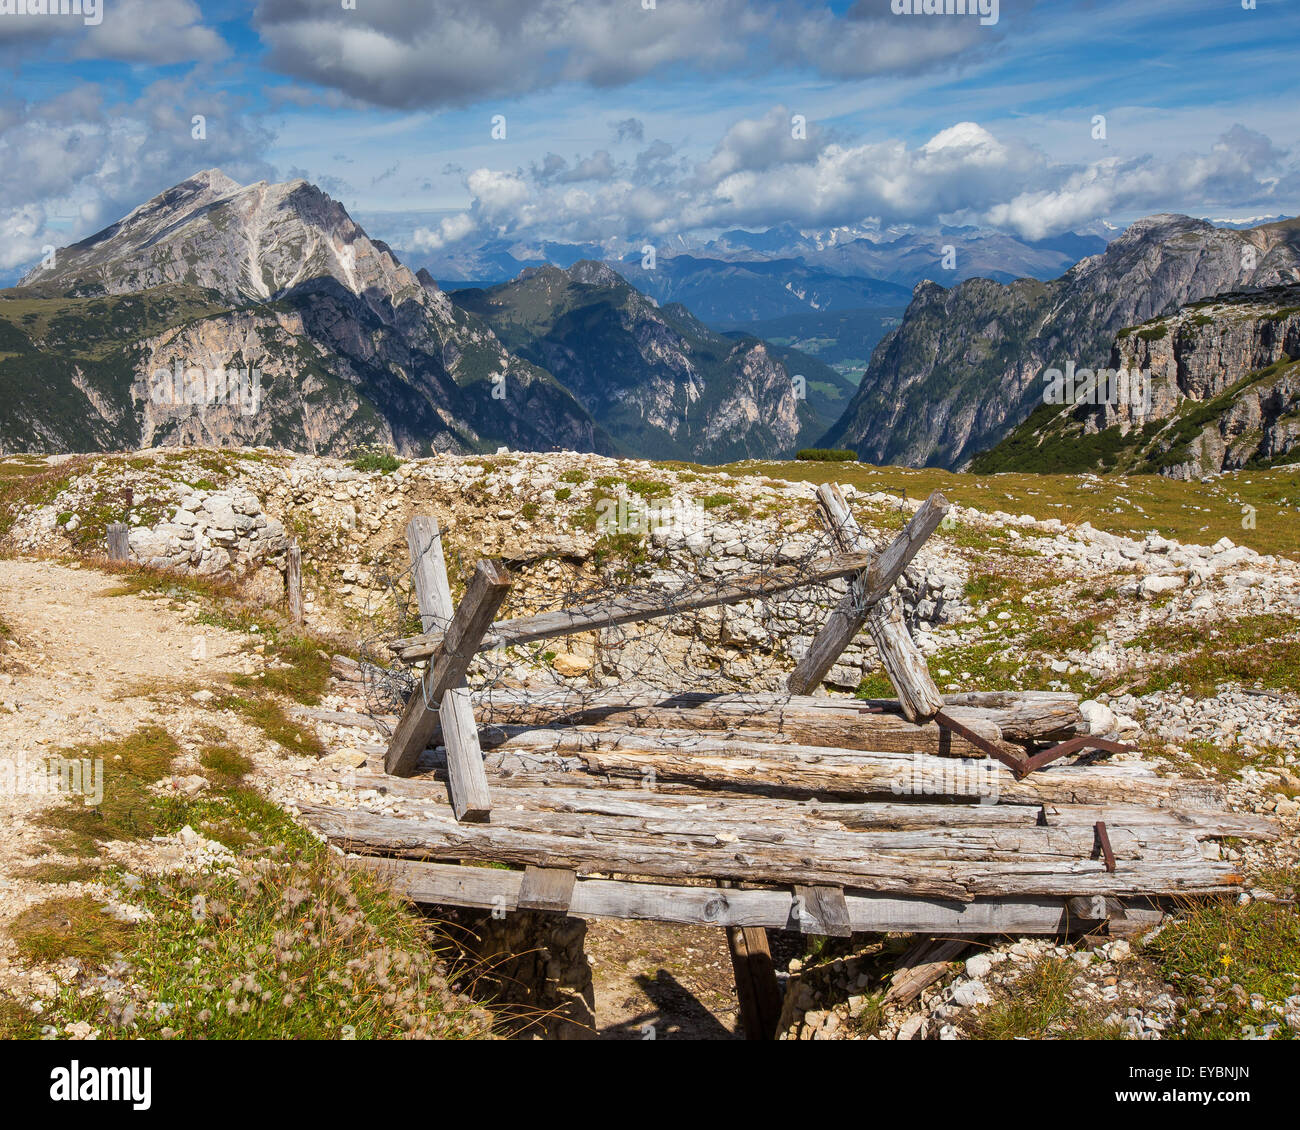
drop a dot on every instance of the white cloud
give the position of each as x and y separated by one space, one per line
76 162
962 174
455 52
132 31
762 143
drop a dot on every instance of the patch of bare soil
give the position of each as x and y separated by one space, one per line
660 981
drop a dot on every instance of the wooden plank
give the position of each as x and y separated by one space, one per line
903 662
880 574
757 990
1033 718
293 581
442 701
743 764
435 883
452 885
822 910
929 865
546 888
881 733
119 547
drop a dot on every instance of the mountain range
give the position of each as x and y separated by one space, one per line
1221 392
351 347
661 382
966 365
116 342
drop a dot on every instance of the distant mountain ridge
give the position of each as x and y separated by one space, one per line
1221 392
965 366
658 380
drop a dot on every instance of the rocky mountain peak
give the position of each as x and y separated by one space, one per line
254 243
595 273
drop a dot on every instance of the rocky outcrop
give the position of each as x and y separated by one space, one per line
1220 390
966 365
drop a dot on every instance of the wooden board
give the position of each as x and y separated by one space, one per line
453 885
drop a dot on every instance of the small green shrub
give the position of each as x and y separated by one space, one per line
826 455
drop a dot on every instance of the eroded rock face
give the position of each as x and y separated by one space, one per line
1226 368
965 367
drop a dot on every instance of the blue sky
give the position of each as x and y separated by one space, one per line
624 120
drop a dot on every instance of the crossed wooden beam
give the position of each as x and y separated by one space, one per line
441 708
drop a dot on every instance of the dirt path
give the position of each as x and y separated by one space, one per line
85 666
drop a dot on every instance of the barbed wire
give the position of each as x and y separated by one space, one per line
741 648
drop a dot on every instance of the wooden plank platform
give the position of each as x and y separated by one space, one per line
744 827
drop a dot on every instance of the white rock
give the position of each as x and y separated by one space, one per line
1100 718
1154 586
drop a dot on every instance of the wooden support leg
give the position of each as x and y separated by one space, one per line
903 661
293 581
757 991
119 548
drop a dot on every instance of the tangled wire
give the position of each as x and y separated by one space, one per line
717 627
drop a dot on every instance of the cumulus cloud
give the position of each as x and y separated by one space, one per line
453 52
629 129
132 31
74 163
554 168
1238 168
763 143
962 174
870 40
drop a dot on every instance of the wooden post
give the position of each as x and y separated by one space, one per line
757 991
442 697
293 581
904 663
119 548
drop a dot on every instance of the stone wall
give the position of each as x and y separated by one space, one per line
531 967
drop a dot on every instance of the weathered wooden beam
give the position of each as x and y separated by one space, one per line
457 885
949 864
119 547
442 700
757 991
880 574
293 581
903 662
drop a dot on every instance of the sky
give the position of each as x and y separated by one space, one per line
447 123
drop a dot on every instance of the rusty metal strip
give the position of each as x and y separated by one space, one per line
1074 745
1103 845
1017 765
